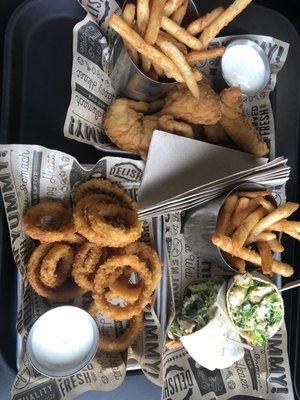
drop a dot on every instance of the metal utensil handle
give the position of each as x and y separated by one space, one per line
290 285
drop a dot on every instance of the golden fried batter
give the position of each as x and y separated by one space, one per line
239 127
182 105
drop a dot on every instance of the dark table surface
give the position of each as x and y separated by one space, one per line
291 10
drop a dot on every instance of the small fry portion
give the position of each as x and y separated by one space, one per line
250 233
128 15
199 24
283 211
179 14
156 14
211 31
171 6
196 56
154 55
142 15
224 225
179 60
180 33
225 244
266 257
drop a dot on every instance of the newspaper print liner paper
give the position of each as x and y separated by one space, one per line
263 372
92 89
28 174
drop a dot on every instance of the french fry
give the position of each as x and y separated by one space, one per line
170 38
173 344
154 55
224 226
142 15
283 211
168 123
156 14
211 31
199 24
196 56
266 257
180 33
240 235
171 6
179 60
225 244
258 193
266 204
241 205
284 225
128 16
179 14
262 237
142 19
237 219
276 246
235 262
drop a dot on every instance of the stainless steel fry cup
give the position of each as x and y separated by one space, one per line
129 80
200 224
62 341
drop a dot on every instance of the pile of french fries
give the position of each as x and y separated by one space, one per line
247 228
161 47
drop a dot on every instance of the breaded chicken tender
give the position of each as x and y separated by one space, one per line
182 105
239 127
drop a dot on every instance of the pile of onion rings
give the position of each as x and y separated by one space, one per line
93 248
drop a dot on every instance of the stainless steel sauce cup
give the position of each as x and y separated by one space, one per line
259 69
129 80
62 341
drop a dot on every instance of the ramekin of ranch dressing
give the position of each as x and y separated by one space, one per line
62 341
245 64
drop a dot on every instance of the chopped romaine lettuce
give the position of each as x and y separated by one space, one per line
259 311
198 307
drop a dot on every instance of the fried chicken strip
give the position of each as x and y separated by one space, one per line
182 105
239 127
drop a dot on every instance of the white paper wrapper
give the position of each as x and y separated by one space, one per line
212 347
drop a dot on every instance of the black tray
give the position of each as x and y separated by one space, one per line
36 93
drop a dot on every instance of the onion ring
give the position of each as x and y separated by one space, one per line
121 287
149 256
112 266
58 216
108 188
87 260
67 291
99 232
56 265
123 225
125 340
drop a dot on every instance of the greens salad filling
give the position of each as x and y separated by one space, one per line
198 308
255 307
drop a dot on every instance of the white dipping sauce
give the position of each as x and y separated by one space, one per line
62 338
242 66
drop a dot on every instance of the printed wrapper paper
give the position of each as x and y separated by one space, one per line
263 372
29 174
92 89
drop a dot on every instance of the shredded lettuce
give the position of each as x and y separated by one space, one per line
260 310
198 307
